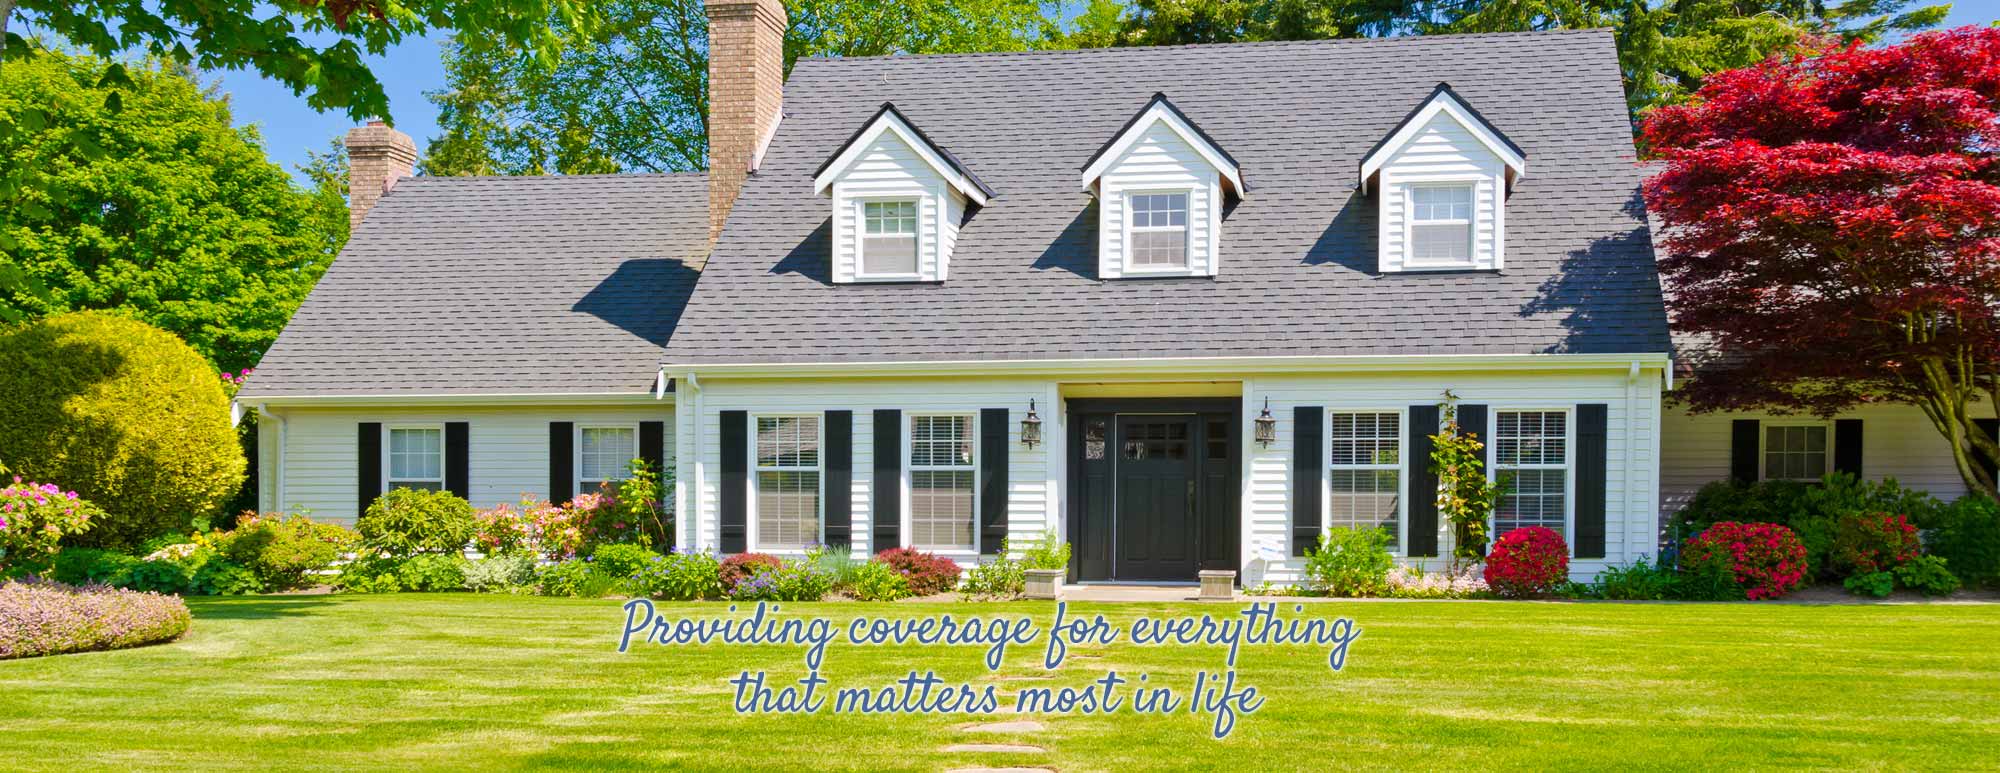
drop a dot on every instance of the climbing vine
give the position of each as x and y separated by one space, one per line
1466 497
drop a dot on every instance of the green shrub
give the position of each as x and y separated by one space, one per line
220 576
162 576
837 562
284 550
801 581
576 578
877 582
1870 542
1810 510
1710 577
681 577
1049 553
126 414
91 566
1927 575
997 579
405 522
1350 562
431 572
624 561
1642 581
1966 534
1876 584
503 573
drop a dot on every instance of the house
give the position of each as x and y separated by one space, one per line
1186 307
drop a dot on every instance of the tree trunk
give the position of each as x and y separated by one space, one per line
6 10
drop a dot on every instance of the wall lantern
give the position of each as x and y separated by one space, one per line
1031 427
1267 427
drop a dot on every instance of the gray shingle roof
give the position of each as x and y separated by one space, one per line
499 285
1298 255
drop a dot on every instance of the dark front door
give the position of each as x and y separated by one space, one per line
1155 516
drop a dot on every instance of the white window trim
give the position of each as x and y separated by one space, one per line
1402 468
576 460
861 273
1763 442
753 534
1187 241
1408 190
909 514
1491 439
444 454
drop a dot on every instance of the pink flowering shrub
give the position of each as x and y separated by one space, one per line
1411 582
1527 562
503 530
34 517
1767 559
49 618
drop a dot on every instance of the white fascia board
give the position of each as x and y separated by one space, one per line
1180 367
1159 113
887 122
1442 103
430 399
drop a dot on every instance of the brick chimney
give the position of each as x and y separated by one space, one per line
746 89
377 156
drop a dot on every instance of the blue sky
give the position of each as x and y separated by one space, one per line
290 128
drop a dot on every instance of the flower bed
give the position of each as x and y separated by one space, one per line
48 618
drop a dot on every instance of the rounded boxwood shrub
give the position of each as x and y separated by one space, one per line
284 550
407 521
1767 560
125 414
48 618
1527 562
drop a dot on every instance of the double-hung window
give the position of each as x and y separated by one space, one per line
1159 231
416 458
1441 224
1532 447
788 482
941 482
1795 452
889 238
1365 482
604 456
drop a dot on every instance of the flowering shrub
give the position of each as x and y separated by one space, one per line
502 530
1865 543
34 517
1527 562
631 511
47 618
1766 559
743 566
927 573
802 580
680 576
1410 582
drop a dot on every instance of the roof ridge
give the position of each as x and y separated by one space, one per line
1320 42
549 177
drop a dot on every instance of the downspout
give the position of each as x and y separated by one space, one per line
1631 448
278 475
681 493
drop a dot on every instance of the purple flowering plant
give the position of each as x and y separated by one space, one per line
34 517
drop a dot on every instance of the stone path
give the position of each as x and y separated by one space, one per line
1017 726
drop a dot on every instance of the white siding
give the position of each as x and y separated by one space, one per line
1631 452
509 450
1897 441
1160 162
1444 151
890 169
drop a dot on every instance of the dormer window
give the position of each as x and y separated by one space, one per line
889 240
1441 178
898 202
1161 186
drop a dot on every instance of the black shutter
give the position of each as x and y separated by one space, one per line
1847 446
839 453
887 493
458 459
992 479
1423 482
653 450
735 448
1308 431
370 465
1992 429
1593 427
562 462
1743 450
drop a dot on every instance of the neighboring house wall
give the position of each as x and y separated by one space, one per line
1444 152
509 450
1897 442
1159 162
891 170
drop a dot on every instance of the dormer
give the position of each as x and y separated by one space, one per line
1161 185
1441 180
898 201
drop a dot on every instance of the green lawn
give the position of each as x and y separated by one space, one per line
349 682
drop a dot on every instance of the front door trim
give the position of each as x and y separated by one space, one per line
1228 506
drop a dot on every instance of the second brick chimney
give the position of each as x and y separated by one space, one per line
746 91
377 156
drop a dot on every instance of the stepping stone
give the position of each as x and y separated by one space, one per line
1000 770
1007 748
1014 726
1023 678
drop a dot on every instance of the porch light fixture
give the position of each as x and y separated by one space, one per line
1031 426
1267 427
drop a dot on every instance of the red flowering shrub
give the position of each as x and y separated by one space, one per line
927 573
741 566
1767 559
1865 543
1527 562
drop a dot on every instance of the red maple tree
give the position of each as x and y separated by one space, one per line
1831 232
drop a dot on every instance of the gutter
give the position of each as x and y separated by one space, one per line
1183 367
278 475
433 398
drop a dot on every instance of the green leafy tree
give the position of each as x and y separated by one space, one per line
155 207
629 93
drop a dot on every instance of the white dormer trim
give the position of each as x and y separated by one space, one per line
1161 111
1444 101
888 120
